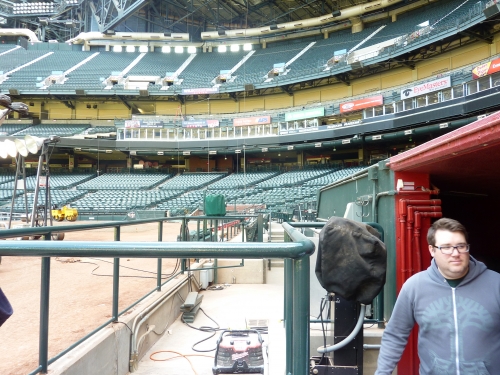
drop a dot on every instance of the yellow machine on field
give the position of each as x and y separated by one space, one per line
59 214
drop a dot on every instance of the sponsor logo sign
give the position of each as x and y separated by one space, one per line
306 113
132 124
200 123
200 91
143 124
258 120
356 105
426 88
486 69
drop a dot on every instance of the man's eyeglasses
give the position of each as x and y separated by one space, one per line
448 249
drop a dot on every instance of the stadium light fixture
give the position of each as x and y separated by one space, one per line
234 48
179 49
130 49
143 49
247 47
191 49
166 49
222 49
117 48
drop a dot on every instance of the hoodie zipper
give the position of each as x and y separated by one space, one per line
455 319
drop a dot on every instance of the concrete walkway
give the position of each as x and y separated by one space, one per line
232 307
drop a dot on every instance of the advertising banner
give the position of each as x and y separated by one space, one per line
200 91
257 120
425 88
306 113
200 123
486 69
132 124
143 124
356 105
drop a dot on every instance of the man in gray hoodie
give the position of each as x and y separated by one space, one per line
456 304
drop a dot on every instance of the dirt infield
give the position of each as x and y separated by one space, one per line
80 294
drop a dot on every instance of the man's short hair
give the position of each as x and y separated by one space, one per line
445 224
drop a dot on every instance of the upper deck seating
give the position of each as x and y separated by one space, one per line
109 201
101 129
190 181
407 22
91 75
206 67
256 68
183 204
124 181
34 74
293 178
240 180
58 198
158 64
57 181
332 177
17 58
44 130
10 129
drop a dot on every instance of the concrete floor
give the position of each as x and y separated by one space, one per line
230 307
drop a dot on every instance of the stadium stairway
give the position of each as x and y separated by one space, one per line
276 234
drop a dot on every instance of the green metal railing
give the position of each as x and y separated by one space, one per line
295 253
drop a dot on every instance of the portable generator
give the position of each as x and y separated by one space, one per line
239 352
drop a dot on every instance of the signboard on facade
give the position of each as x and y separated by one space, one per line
486 69
143 124
200 123
257 120
425 88
201 91
359 104
305 113
132 123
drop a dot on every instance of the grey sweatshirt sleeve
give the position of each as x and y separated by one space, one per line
395 336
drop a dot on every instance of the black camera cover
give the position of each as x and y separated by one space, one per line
351 260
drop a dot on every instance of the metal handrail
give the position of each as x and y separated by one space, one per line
297 253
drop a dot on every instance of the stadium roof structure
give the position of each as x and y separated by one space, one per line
62 20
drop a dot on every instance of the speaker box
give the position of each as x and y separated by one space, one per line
273 27
221 32
167 34
13 91
336 13
79 92
356 65
249 87
143 93
492 10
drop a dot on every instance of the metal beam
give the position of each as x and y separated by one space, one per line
122 99
474 35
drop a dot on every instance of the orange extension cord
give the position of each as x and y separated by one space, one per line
177 356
